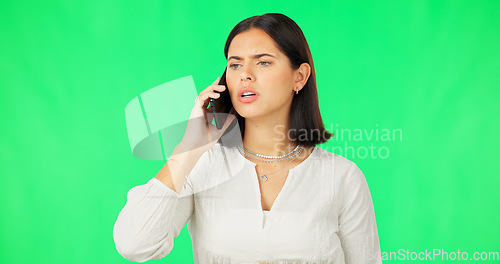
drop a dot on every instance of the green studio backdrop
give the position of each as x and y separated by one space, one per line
410 88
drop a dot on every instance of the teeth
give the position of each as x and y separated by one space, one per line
247 94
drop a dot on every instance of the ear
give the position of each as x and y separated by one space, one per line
302 75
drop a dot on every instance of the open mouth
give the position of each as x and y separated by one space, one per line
248 97
247 94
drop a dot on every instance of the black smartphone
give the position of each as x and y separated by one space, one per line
222 104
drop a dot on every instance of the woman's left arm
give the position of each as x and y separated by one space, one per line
357 226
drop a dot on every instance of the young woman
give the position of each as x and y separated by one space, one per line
274 197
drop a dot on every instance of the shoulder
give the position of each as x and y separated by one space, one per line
348 182
339 162
343 169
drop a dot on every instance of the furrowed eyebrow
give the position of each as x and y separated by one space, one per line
254 56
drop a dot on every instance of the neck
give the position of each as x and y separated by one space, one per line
267 137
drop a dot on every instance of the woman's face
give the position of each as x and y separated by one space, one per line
255 62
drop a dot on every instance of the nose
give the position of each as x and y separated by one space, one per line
246 75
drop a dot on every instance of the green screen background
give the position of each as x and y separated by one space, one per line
426 68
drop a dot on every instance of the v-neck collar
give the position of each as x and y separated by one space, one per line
282 193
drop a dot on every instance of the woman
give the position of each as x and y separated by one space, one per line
273 198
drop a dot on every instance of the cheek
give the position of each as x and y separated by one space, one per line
279 85
279 77
231 84
231 81
232 90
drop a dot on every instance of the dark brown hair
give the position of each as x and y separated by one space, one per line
305 123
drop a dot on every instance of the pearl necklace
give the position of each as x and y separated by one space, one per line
273 157
293 157
263 160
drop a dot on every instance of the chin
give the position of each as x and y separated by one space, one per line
248 111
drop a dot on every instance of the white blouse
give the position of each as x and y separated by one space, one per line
323 214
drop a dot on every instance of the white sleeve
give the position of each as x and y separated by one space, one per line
152 217
357 226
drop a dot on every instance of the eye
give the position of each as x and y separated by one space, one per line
233 66
266 63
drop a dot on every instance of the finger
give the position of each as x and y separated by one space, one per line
213 87
204 95
219 88
204 98
216 81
